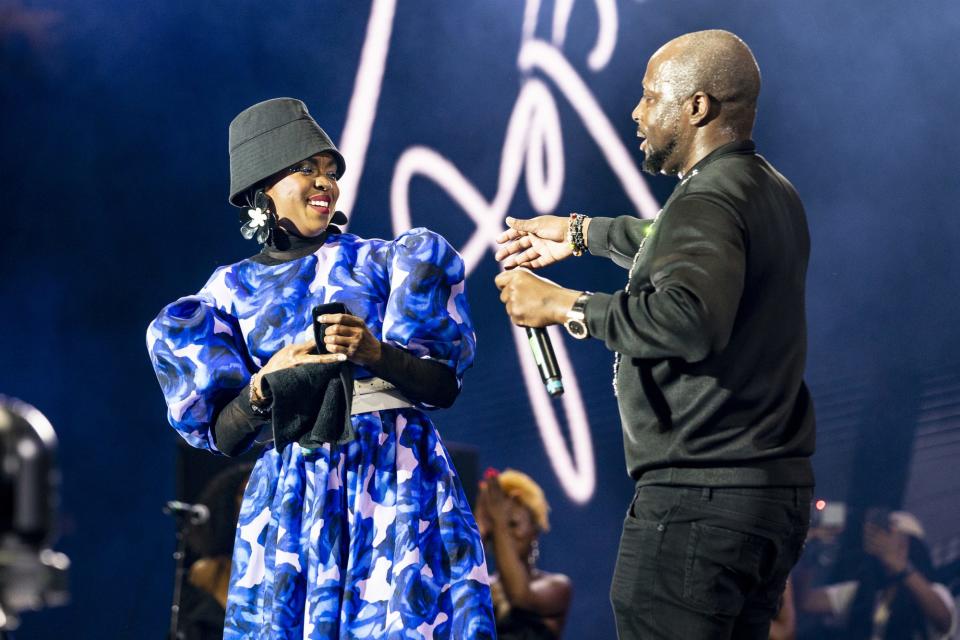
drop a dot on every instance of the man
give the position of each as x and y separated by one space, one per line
710 342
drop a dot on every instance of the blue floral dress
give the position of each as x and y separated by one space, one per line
369 539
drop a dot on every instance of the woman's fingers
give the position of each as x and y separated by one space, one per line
343 330
341 319
301 353
343 344
343 338
300 347
337 340
324 358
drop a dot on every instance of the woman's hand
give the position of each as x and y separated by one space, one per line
292 355
348 335
493 504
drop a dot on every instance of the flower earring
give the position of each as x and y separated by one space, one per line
259 221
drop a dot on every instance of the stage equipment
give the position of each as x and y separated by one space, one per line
186 516
32 574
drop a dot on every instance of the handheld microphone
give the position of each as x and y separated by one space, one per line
546 360
198 513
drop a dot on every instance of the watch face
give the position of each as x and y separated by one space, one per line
576 328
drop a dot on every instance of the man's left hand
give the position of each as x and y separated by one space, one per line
533 301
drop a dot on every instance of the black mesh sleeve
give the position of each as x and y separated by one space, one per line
421 380
237 425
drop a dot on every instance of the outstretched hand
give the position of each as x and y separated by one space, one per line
534 243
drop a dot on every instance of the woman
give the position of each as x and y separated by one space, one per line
530 604
354 523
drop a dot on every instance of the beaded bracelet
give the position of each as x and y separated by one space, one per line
575 234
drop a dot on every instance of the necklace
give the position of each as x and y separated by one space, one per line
617 356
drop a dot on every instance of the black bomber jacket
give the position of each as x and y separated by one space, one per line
711 329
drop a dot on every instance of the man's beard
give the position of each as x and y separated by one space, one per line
655 159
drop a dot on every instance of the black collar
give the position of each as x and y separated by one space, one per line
288 246
737 147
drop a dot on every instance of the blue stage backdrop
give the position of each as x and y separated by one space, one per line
451 115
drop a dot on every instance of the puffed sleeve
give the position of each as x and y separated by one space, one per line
198 354
427 312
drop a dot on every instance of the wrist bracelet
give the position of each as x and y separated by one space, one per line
256 401
575 234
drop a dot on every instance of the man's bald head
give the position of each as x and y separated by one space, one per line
719 64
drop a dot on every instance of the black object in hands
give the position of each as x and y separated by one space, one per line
319 328
546 360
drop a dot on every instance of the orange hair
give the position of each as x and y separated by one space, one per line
519 485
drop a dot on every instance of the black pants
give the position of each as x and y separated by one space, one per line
700 563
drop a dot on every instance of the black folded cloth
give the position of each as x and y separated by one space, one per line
311 404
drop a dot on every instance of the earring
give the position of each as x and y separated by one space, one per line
534 553
260 221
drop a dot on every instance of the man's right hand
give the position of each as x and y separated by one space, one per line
536 242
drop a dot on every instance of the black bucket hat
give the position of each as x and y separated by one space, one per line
269 137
